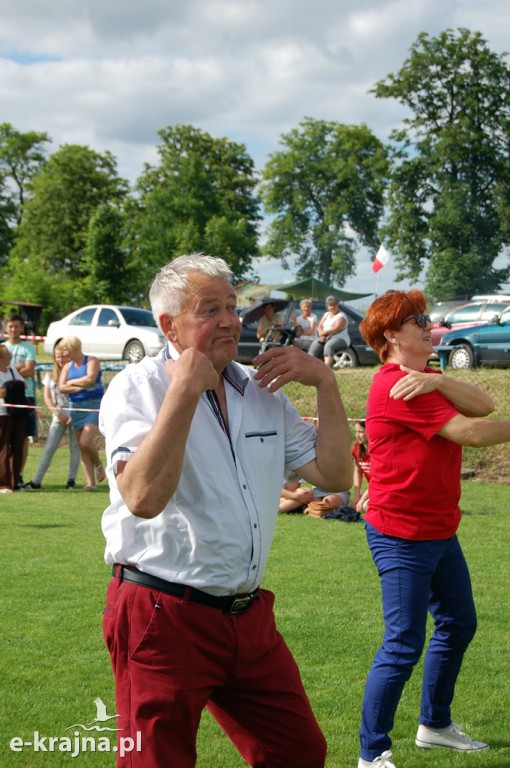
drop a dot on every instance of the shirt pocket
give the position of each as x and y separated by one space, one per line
261 437
262 449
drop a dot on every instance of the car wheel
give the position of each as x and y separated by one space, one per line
347 358
134 351
462 358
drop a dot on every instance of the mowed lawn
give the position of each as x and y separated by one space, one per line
53 664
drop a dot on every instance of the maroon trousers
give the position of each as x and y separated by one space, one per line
12 440
171 658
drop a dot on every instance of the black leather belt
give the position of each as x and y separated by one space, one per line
230 603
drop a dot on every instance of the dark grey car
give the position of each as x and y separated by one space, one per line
357 354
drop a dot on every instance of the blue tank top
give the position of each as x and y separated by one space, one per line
95 392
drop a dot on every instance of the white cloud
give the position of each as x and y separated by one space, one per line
112 74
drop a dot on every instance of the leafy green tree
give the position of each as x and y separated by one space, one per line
110 276
21 157
449 197
52 261
7 216
200 197
325 190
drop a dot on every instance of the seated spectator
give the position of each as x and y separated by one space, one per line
332 332
294 497
58 405
268 320
361 457
12 426
307 325
325 501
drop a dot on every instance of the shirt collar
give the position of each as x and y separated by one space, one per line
233 373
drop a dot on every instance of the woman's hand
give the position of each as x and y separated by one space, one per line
468 399
414 384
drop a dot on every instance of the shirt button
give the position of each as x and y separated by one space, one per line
244 487
253 567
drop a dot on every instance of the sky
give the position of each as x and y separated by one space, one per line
109 74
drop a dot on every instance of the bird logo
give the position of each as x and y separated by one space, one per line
102 716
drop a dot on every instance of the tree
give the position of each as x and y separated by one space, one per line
21 157
110 276
7 216
325 190
201 197
51 261
448 201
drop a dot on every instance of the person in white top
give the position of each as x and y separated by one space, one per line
12 427
58 405
306 324
197 447
332 332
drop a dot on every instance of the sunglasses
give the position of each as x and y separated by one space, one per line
419 318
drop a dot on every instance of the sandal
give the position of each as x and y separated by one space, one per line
89 488
100 473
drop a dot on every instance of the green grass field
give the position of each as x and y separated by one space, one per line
53 664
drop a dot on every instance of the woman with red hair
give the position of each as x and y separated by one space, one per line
417 420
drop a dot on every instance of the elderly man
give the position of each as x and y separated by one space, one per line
197 446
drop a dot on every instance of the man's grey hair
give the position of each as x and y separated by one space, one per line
171 283
332 300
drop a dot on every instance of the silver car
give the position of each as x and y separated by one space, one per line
109 332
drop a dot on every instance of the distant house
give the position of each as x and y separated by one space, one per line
31 314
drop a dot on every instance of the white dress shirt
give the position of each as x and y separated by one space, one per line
215 532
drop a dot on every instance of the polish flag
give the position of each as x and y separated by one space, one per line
382 257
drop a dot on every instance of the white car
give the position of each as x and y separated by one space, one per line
109 332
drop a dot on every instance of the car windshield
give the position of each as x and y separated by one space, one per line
140 317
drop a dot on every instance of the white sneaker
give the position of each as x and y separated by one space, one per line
451 738
381 761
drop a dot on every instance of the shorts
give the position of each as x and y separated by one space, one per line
89 414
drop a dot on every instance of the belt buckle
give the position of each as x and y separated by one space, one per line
240 603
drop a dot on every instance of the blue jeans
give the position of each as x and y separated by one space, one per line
56 432
416 577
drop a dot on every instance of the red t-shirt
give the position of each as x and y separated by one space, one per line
363 463
414 473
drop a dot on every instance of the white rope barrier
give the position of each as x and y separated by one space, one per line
96 410
37 407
